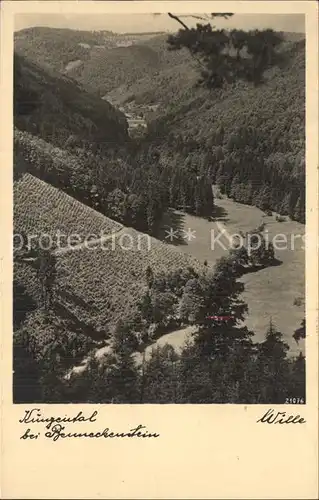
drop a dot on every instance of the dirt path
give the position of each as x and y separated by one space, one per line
222 228
176 339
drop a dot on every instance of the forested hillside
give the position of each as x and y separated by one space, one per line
108 69
249 140
60 49
55 107
56 47
99 64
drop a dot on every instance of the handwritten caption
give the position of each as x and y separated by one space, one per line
58 427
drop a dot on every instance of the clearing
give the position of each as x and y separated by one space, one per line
270 293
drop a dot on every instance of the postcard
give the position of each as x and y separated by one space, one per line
159 250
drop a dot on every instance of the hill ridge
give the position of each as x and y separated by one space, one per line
54 106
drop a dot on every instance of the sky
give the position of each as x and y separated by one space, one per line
135 23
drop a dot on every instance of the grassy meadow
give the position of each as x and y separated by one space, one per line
270 293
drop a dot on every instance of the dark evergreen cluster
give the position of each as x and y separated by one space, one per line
226 56
222 363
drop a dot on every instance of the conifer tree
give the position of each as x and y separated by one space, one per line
226 56
273 367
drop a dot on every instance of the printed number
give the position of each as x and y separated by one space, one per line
295 401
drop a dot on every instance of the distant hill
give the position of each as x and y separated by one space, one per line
54 48
54 107
107 70
99 60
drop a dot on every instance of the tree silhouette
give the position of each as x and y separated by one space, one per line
300 333
226 56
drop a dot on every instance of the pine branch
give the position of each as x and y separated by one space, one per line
176 18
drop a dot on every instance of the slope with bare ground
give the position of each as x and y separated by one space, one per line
97 282
41 209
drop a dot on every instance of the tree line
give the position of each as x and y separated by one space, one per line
129 186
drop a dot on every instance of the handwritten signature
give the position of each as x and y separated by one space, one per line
280 417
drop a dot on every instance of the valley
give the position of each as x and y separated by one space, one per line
135 115
148 174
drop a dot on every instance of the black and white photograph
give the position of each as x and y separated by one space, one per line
159 208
